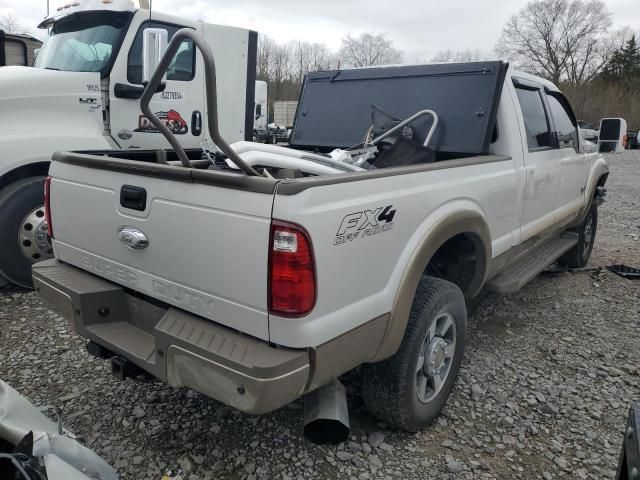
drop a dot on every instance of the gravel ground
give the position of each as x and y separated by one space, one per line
543 393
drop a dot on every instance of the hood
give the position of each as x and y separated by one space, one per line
48 100
29 81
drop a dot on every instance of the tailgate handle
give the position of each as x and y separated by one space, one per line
134 198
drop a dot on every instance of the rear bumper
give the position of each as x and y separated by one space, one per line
174 346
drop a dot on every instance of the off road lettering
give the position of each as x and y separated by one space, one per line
365 224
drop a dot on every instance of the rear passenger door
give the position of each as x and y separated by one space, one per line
573 165
540 158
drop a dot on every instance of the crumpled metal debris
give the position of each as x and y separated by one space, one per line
624 271
63 457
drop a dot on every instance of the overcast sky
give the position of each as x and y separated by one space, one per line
420 28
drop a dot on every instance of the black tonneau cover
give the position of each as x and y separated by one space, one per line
335 106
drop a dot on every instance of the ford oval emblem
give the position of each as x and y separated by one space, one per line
133 238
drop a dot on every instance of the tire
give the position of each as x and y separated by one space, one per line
580 254
390 389
20 200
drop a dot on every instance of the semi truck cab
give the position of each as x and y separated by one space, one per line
84 95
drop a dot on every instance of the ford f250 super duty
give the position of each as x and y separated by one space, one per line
83 95
261 273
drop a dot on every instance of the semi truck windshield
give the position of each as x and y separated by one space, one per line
84 42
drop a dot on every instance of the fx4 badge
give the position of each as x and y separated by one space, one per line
365 224
171 119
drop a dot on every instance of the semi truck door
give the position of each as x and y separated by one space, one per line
180 105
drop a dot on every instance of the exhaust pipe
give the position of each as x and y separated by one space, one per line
326 416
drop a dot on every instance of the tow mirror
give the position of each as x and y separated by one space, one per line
612 137
154 45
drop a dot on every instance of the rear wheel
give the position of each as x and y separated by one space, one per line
23 236
409 389
580 254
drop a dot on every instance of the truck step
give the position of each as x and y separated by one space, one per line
531 265
128 338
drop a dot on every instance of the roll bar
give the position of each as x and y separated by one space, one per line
211 99
406 122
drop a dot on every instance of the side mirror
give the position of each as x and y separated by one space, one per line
154 45
612 136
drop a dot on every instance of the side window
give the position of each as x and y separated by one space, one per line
535 119
566 130
182 67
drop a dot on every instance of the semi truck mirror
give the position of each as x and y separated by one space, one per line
154 44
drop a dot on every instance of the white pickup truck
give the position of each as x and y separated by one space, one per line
265 273
83 95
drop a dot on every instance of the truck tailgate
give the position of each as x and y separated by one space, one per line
207 247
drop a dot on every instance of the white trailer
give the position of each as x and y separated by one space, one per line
284 112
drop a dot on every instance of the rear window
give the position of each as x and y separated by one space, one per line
535 119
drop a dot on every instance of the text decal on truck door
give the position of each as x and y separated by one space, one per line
365 224
171 119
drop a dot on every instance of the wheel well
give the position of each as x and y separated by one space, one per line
459 260
25 171
602 180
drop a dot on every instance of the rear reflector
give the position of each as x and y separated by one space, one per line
47 205
292 272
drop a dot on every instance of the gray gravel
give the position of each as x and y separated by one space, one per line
543 393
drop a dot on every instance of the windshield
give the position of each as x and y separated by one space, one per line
84 42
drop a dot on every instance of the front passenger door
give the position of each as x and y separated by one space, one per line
573 165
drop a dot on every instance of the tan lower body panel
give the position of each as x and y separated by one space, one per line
174 346
184 350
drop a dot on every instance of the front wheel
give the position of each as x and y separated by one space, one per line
580 254
23 236
409 389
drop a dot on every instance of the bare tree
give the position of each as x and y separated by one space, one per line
10 24
309 57
559 39
368 49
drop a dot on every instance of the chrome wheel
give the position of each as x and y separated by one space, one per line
588 234
33 237
436 357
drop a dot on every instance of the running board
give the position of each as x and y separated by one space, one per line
517 275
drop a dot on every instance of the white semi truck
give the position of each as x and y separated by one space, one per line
84 94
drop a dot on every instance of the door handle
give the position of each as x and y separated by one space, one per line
196 123
134 198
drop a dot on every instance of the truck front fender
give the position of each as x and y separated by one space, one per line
597 177
469 222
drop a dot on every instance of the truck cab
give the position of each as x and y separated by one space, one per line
84 95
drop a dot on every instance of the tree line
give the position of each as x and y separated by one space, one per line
570 42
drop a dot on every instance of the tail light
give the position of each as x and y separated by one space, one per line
292 272
47 205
